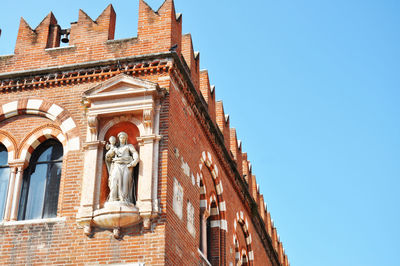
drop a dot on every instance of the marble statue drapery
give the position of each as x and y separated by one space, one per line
120 159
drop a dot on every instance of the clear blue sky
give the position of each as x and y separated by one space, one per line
313 88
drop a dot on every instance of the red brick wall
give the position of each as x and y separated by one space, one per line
188 137
63 242
185 138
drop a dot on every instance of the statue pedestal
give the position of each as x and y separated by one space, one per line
116 215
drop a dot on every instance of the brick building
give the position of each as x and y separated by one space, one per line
192 198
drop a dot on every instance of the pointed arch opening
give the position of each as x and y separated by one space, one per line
213 234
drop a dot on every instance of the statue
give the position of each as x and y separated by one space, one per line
120 161
119 210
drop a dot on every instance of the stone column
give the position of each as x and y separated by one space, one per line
16 191
203 225
146 179
91 149
156 151
11 183
90 174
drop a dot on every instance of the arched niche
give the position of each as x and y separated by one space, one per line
122 103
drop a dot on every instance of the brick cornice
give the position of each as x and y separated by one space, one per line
84 72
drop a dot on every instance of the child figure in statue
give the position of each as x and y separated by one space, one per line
111 145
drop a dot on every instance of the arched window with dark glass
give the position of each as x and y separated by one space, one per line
41 182
244 260
4 177
209 239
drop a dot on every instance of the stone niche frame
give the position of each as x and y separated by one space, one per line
121 98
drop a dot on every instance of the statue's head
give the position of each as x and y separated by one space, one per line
112 140
123 137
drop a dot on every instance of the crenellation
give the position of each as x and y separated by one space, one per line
223 122
274 237
92 40
235 148
191 59
98 31
280 252
261 206
164 18
205 86
227 132
253 187
269 224
220 115
257 199
207 92
54 36
29 40
246 167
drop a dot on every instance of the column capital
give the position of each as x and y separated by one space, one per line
148 139
18 163
91 145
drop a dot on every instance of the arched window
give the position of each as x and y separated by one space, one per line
209 239
204 224
4 177
201 235
41 182
244 260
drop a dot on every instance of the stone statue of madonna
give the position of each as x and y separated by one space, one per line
120 160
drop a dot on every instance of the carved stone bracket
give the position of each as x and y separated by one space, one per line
92 126
148 120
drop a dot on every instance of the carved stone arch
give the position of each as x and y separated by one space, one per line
44 108
204 202
244 258
22 157
38 136
215 250
33 140
241 221
237 248
10 143
214 210
118 119
207 161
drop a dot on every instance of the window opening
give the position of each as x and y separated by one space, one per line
41 182
201 233
209 239
4 178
